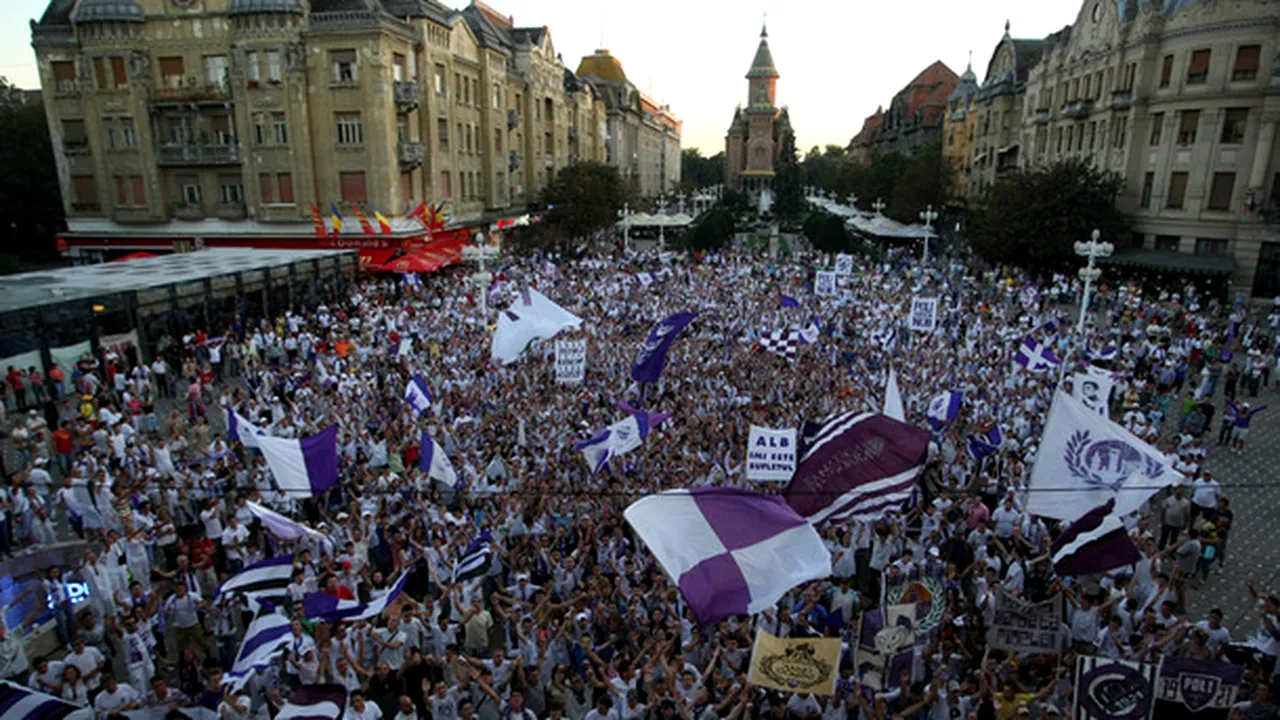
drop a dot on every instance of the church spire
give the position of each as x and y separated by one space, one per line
762 64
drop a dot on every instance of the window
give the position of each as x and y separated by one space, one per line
285 181
109 129
73 134
279 129
222 130
402 129
466 91
128 135
1168 243
85 192
1080 137
275 71
1187 124
1266 279
1211 246
457 86
1075 89
1166 71
350 129
1148 181
1234 121
446 184
1157 127
442 133
64 77
344 66
1088 87
100 73
497 142
1118 131
1177 191
399 67
119 77
260 136
172 72
1220 191
469 133
458 130
1246 67
251 65
189 189
216 71
1198 67
130 191
230 191
497 97
1058 141
1093 131
440 85
352 184
267 187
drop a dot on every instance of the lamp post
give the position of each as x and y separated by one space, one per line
625 216
662 223
928 215
1089 273
878 206
480 253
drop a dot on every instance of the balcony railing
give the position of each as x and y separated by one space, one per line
188 211
513 119
229 211
412 154
1077 108
194 154
514 160
408 97
1042 115
191 93
573 133
1121 99
77 146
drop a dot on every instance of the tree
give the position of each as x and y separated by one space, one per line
30 198
714 230
697 171
788 182
583 198
1033 218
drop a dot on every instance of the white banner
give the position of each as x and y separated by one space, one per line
771 454
119 344
571 361
824 284
1094 390
68 355
924 314
844 264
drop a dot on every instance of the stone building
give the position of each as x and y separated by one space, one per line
759 133
642 136
1181 98
960 129
227 120
914 119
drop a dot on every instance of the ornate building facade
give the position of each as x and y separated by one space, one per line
914 119
760 132
232 118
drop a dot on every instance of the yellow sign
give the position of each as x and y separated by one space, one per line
799 665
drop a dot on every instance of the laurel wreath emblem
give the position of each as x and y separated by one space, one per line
1076 445
796 667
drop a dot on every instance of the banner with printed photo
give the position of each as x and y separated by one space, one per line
1026 627
771 454
1107 689
798 665
571 361
1094 390
844 264
924 314
824 283
1191 689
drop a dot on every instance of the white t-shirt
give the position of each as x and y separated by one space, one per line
234 536
124 694
371 712
88 661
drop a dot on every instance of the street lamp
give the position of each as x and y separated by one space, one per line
1089 274
928 215
878 206
480 253
625 216
662 223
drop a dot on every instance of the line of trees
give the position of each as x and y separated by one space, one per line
31 213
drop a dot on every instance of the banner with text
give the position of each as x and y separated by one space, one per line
1107 689
795 665
824 284
1026 627
1193 689
771 454
571 361
924 314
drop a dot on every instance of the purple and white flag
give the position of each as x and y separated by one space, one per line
262 581
619 438
417 394
944 408
306 466
284 528
266 639
1191 689
241 430
433 461
731 552
532 316
19 702
1034 356
1107 689
1104 355
653 353
315 702
886 646
856 467
790 302
323 606
1095 543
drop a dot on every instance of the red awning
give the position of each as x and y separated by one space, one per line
135 256
375 258
432 256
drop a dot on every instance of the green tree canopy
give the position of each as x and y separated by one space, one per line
714 230
1034 217
697 171
584 198
30 198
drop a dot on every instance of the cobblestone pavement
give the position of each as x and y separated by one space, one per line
1252 483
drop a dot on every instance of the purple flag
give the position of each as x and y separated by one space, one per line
856 466
1196 689
306 466
653 354
315 702
886 646
1095 543
790 302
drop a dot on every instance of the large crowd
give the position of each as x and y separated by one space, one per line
574 619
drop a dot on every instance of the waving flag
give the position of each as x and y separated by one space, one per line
19 702
652 357
243 431
784 344
433 461
337 218
944 408
315 702
265 640
533 316
790 302
893 398
1035 357
983 446
885 338
285 528
318 222
619 438
645 278
364 221
323 606
476 559
731 552
262 581
1095 543
856 466
1104 355
809 333
307 466
417 394
383 224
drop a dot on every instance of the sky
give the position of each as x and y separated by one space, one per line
838 59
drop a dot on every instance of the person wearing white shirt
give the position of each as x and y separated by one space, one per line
1219 636
116 696
89 660
233 539
361 709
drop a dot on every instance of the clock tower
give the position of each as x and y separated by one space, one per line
756 135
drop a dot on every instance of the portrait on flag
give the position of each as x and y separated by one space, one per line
1107 689
571 361
1191 689
844 264
824 284
1094 390
798 665
1026 627
924 314
771 454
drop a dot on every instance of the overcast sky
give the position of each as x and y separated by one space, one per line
837 60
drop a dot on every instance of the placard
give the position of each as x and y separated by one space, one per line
844 264
824 283
1026 627
924 314
571 361
771 454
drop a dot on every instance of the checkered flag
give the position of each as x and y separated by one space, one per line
783 343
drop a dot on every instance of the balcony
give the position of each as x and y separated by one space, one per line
514 160
1077 108
412 154
133 214
188 211
513 119
229 211
190 94
1042 115
195 155
408 97
573 133
1121 99
76 146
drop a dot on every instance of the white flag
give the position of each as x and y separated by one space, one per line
1084 460
1094 390
893 398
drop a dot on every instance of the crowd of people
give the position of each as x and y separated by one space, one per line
574 619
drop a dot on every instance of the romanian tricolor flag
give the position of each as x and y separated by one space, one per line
364 221
337 218
382 220
319 221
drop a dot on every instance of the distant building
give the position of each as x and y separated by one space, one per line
758 134
915 117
